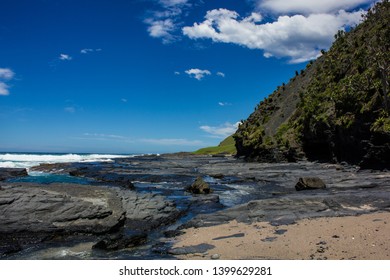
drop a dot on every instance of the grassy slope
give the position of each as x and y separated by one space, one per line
227 146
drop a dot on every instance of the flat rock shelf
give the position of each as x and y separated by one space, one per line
134 208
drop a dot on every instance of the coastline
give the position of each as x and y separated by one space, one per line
363 237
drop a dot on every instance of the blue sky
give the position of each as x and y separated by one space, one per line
149 76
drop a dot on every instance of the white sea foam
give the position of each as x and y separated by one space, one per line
7 164
29 160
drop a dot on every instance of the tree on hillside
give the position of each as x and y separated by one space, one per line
379 49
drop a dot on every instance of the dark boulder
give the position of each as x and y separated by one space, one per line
145 212
199 187
309 183
6 173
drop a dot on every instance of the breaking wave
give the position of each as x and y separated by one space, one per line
18 160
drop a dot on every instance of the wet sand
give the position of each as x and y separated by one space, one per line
364 237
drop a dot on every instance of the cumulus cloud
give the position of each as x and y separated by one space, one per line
221 74
308 6
65 57
298 37
197 73
177 73
221 131
6 75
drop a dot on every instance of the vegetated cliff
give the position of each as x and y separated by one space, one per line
337 109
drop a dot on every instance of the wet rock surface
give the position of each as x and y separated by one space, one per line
148 195
148 211
120 241
6 173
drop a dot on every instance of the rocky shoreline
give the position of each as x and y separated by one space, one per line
144 201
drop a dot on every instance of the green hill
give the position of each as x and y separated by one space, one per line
337 109
227 146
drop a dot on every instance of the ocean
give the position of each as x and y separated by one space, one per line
27 160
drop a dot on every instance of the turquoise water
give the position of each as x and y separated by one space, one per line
48 178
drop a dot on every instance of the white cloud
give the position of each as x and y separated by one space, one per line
221 74
6 75
197 73
4 89
224 104
161 29
222 131
65 57
164 23
254 17
309 6
298 37
85 51
172 142
177 73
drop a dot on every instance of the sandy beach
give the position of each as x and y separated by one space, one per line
364 237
